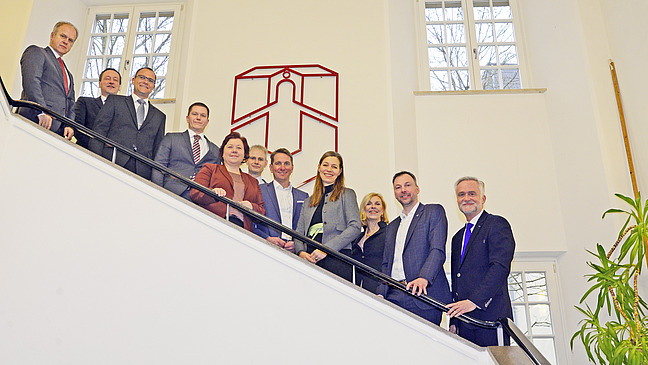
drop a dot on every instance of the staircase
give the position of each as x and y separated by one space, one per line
98 266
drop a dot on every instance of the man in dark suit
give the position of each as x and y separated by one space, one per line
87 108
481 258
415 250
186 152
132 122
47 81
282 201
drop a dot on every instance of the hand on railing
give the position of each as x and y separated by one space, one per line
418 286
460 307
45 121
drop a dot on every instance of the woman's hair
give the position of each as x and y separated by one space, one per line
363 204
235 135
338 185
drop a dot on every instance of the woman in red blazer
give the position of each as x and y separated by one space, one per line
228 180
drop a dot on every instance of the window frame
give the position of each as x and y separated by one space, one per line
554 293
134 12
471 45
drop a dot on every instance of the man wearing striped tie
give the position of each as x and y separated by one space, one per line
186 152
480 263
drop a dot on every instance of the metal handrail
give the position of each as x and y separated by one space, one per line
505 323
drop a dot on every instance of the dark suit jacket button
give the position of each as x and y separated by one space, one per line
134 148
458 274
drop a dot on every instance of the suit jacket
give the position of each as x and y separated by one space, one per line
482 276
217 176
85 112
42 82
271 206
424 251
176 153
117 120
371 254
341 220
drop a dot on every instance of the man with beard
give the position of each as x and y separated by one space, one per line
481 258
415 251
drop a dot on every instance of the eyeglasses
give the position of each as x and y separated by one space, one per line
142 77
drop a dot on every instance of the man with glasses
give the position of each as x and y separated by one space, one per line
132 122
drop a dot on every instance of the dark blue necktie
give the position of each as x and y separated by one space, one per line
466 239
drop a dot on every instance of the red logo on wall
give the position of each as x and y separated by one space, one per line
295 107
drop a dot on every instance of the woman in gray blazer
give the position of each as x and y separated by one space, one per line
329 216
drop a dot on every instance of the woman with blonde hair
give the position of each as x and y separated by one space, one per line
368 247
329 216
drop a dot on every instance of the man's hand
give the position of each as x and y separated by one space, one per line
276 241
290 246
460 307
418 286
68 133
45 121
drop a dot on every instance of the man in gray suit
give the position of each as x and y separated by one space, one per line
87 108
282 202
415 250
186 152
47 81
132 122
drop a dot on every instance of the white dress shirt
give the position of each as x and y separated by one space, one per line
285 201
398 271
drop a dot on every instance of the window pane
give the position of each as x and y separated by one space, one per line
97 45
100 22
458 57
435 34
515 279
143 43
520 319
484 32
160 65
433 12
456 33
490 81
114 63
504 32
536 285
116 46
547 348
482 10
453 10
158 91
146 22
138 62
120 23
460 80
163 43
90 89
487 56
511 80
437 57
438 80
93 68
502 10
165 21
540 319
508 55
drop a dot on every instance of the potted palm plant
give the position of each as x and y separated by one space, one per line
615 331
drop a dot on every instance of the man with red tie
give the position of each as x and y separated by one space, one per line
47 81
